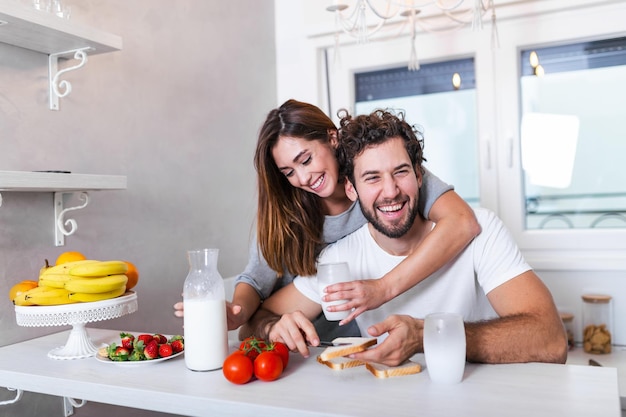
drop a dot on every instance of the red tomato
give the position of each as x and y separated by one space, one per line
283 351
268 366
238 368
246 342
252 346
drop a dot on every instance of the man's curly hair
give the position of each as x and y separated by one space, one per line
359 132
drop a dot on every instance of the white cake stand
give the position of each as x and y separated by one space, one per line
78 345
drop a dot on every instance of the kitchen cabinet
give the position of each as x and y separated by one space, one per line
60 39
60 184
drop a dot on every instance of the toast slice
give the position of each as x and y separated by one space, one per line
384 371
341 363
355 344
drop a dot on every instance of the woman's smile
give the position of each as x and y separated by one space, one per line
317 184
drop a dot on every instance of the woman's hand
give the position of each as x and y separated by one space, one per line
362 295
294 330
233 317
179 309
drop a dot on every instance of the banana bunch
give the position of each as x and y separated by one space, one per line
44 296
78 281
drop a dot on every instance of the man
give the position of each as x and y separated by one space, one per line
509 314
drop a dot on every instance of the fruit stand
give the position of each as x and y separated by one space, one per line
77 315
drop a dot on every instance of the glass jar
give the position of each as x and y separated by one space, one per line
597 323
568 323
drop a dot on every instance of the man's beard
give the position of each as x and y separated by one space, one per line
393 231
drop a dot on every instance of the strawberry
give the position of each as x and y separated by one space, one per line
128 340
151 351
145 338
165 350
118 353
160 338
178 345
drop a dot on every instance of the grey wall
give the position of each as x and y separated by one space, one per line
177 111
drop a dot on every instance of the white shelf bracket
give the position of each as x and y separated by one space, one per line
60 230
69 404
60 88
18 396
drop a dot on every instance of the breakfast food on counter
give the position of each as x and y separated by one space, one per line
256 358
142 348
347 345
335 357
383 371
74 279
341 363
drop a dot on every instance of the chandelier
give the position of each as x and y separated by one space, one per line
447 15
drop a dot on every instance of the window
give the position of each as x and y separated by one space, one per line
573 135
440 99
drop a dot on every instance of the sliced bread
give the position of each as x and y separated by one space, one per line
384 371
341 363
348 345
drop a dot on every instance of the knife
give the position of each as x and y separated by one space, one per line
324 343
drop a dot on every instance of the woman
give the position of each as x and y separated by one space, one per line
302 206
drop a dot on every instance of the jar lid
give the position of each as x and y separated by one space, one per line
567 317
596 298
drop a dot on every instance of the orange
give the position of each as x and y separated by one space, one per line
132 274
21 287
70 257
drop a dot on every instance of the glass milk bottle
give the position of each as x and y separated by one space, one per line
205 328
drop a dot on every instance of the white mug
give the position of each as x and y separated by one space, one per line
328 274
444 347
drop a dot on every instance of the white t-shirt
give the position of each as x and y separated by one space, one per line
490 260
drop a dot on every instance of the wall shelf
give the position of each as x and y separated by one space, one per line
43 32
60 184
53 182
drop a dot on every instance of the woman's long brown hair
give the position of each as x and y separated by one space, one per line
290 220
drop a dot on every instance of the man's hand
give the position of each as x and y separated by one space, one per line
362 295
294 330
404 340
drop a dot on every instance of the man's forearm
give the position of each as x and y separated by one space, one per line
514 339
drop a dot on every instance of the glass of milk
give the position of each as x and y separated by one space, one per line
332 273
444 347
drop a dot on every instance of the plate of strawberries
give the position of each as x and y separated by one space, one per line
141 349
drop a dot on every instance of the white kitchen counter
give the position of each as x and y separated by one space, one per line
308 388
616 359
